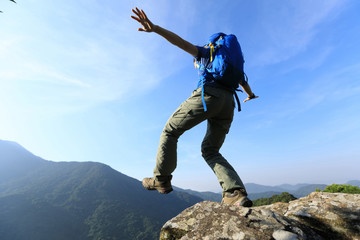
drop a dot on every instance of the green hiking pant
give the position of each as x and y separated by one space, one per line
219 115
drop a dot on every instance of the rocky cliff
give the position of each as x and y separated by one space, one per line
328 216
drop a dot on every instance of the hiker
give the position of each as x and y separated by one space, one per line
211 102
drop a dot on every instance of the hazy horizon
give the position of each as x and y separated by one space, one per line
216 190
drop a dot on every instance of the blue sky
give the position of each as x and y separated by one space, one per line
78 82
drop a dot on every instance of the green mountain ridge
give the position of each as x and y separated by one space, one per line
73 200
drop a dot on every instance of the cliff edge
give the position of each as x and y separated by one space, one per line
319 215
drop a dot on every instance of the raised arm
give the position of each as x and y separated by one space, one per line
148 26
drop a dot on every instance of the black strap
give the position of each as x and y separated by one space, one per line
237 101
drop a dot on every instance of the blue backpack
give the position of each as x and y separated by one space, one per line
226 65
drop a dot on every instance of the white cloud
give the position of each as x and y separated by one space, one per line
289 28
332 86
318 95
82 57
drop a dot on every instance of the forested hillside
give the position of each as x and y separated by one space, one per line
70 200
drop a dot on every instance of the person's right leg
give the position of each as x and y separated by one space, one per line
190 113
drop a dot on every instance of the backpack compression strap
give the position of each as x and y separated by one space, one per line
202 79
212 50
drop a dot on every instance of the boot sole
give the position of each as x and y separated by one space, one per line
164 191
244 203
160 190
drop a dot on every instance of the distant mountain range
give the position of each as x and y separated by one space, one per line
257 191
41 199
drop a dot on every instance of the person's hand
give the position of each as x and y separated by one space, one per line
250 97
148 26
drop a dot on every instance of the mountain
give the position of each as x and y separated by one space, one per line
257 188
257 191
307 189
11 160
354 183
206 196
42 199
255 196
289 187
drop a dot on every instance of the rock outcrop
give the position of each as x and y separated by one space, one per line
327 216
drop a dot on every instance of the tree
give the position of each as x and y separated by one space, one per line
11 1
337 188
284 197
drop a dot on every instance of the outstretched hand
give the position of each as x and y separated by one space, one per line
249 98
148 26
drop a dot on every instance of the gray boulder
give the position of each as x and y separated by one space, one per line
318 216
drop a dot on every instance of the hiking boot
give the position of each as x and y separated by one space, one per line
153 184
237 198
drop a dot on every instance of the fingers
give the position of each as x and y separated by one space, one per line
249 98
140 13
136 11
141 17
137 14
137 19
